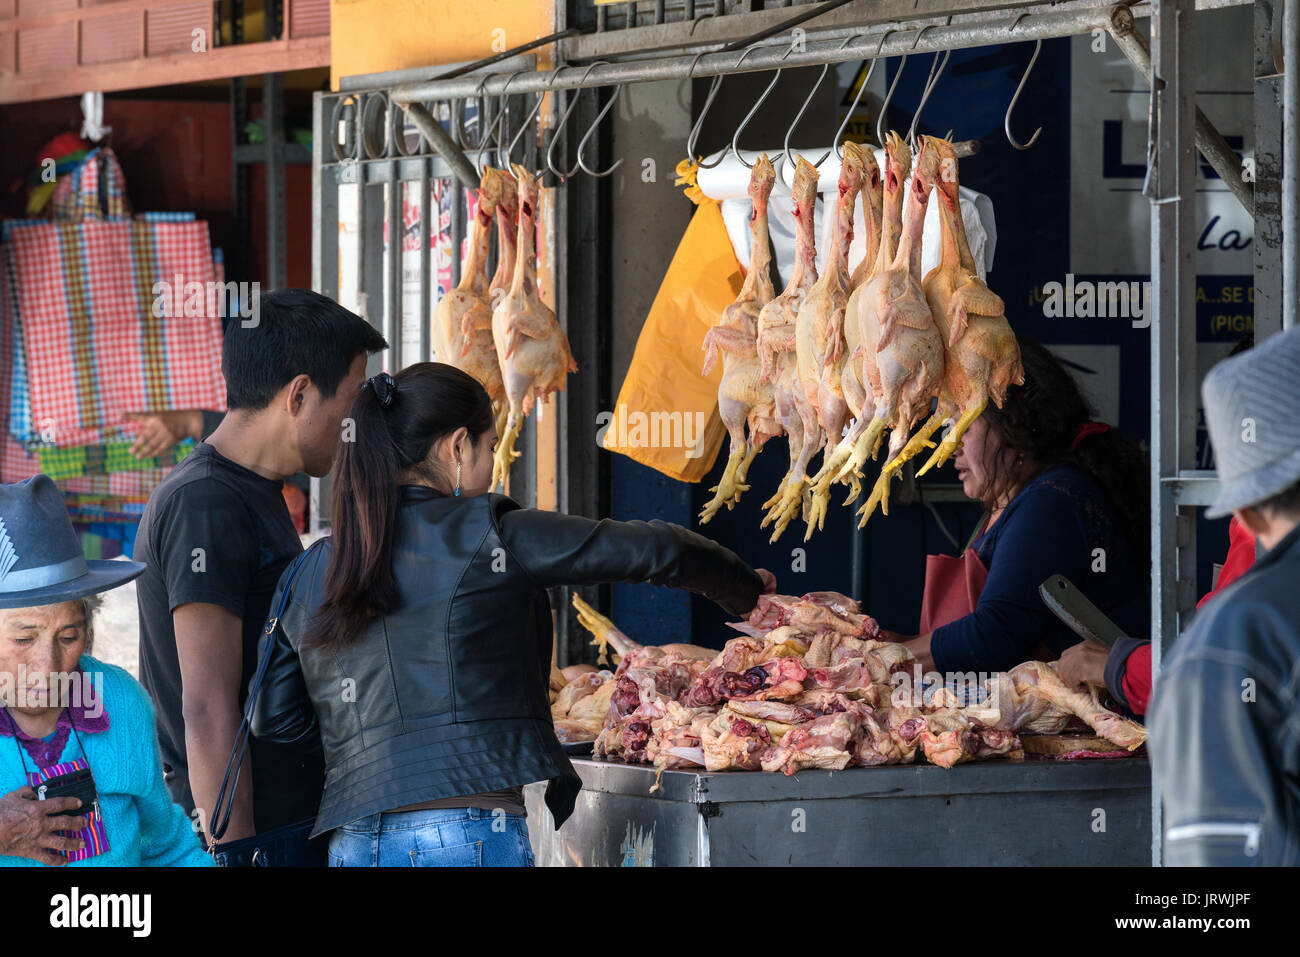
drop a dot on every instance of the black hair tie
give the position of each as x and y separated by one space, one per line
384 386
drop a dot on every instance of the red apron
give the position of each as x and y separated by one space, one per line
952 588
952 591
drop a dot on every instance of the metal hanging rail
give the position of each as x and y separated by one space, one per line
919 37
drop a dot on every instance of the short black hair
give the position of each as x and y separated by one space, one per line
298 332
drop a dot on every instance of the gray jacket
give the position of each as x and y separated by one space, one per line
1225 723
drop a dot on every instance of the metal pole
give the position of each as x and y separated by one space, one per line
928 38
1208 139
1172 191
1290 163
440 140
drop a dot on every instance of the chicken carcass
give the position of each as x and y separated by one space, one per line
860 371
873 212
507 227
821 743
531 347
499 285
982 359
909 348
776 350
732 743
462 321
1041 679
743 398
819 326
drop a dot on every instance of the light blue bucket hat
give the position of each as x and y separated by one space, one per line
1252 412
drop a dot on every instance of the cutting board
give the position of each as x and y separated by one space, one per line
1053 745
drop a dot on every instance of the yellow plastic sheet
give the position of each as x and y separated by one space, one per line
667 411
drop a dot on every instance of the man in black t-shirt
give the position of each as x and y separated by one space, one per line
215 537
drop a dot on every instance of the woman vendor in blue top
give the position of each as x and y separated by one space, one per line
1062 495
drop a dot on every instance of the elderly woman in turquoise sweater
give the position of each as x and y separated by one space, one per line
81 780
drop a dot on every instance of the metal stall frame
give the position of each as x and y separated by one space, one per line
707 45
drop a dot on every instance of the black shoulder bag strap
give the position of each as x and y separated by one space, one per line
220 819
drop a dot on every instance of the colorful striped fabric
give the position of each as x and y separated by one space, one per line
105 459
19 420
95 835
94 190
85 296
16 463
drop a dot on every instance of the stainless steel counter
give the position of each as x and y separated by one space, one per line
1007 813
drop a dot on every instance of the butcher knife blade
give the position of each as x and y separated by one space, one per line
1083 617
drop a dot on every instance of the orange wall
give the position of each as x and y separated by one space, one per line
372 36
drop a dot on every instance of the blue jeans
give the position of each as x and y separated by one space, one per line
463 837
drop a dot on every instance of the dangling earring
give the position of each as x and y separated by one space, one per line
457 478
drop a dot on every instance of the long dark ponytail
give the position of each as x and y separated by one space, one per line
429 400
1042 419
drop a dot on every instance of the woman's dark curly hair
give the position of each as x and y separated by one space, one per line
1040 420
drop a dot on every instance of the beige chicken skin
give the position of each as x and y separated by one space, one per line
743 398
909 347
776 350
499 284
882 212
530 345
462 321
507 226
819 326
983 359
873 211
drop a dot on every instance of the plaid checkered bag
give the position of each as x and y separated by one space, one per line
86 295
94 190
16 463
105 459
13 383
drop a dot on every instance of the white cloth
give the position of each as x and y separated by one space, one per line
92 112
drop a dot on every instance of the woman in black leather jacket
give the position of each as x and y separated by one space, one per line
418 635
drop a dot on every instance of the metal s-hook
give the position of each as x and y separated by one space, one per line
504 163
494 131
889 95
785 144
936 69
785 151
458 119
1006 123
735 139
564 119
838 144
694 135
582 143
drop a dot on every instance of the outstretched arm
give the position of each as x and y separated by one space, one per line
571 550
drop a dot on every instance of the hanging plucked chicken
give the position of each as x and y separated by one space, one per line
776 350
530 344
462 321
743 398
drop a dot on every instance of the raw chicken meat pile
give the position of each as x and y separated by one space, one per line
808 684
